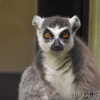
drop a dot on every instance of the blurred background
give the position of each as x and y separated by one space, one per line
17 35
18 38
17 43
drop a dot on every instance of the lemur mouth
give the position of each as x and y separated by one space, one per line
57 50
57 46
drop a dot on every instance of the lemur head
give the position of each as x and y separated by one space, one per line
56 33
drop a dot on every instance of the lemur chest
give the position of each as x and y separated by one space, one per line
60 75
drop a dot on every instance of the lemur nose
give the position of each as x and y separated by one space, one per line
57 43
57 46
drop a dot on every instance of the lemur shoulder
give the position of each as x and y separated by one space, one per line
63 64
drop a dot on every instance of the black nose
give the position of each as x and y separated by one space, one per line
57 43
57 46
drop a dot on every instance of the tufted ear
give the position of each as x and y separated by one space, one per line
37 21
75 23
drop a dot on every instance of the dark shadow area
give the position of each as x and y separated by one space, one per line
9 83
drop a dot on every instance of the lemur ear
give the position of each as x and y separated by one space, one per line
75 23
37 21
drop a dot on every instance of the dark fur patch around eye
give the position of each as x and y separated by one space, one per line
48 31
66 31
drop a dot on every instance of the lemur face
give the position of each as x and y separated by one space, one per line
56 33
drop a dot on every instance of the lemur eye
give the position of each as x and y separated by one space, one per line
65 35
47 35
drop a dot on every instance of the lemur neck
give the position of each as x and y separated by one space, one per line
56 60
59 71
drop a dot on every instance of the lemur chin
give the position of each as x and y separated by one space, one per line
64 68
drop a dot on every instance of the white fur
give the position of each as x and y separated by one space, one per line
42 43
75 21
37 21
72 20
62 82
56 30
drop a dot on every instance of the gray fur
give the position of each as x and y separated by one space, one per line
53 21
31 86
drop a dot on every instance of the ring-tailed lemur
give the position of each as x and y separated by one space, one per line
64 68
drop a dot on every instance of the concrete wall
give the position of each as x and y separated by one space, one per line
17 35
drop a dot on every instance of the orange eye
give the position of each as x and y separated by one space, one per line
47 35
65 35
